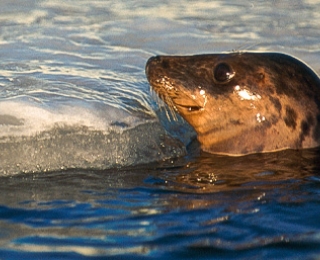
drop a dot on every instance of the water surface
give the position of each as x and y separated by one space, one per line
92 167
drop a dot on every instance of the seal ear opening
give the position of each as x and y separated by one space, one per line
223 73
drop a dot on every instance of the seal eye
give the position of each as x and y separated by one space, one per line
223 73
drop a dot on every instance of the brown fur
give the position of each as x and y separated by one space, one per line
271 101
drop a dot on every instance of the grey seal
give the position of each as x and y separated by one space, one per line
241 103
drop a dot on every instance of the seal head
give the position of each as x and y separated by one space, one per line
241 103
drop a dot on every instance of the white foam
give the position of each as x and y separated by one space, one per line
33 117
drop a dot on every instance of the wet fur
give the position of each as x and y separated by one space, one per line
283 112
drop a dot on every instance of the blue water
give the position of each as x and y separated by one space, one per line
92 167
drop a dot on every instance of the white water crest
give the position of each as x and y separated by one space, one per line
35 138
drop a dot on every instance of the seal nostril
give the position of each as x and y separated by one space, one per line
153 63
154 59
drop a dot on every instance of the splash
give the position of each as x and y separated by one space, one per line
35 137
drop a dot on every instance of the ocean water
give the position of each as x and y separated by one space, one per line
91 166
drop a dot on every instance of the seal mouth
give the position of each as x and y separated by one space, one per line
190 109
170 91
179 101
194 108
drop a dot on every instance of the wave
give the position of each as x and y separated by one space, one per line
36 137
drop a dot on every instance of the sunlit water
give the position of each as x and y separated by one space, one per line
87 167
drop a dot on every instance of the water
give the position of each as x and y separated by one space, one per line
87 168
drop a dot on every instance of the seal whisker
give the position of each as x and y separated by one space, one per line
243 48
170 109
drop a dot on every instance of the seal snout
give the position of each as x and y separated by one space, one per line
154 64
153 61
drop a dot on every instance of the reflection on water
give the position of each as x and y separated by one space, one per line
211 204
215 173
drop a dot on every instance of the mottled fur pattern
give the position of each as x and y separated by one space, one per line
242 103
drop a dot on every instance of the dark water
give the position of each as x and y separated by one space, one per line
253 207
87 169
